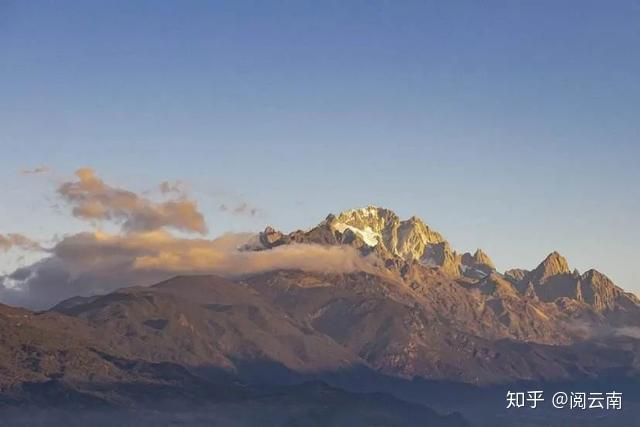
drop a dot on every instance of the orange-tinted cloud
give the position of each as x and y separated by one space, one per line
97 262
15 240
160 251
92 199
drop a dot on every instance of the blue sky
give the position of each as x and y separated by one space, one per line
508 125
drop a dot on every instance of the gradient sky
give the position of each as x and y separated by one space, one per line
508 125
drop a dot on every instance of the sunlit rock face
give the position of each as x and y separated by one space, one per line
379 230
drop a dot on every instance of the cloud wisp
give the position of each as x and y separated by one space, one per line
241 209
43 169
16 240
172 187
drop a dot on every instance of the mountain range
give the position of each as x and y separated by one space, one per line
317 343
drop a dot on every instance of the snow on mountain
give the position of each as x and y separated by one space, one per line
370 237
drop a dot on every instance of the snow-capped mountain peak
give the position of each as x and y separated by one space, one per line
405 238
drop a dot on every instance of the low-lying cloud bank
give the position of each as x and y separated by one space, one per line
93 263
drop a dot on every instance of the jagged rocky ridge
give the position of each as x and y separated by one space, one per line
459 305
405 245
381 231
